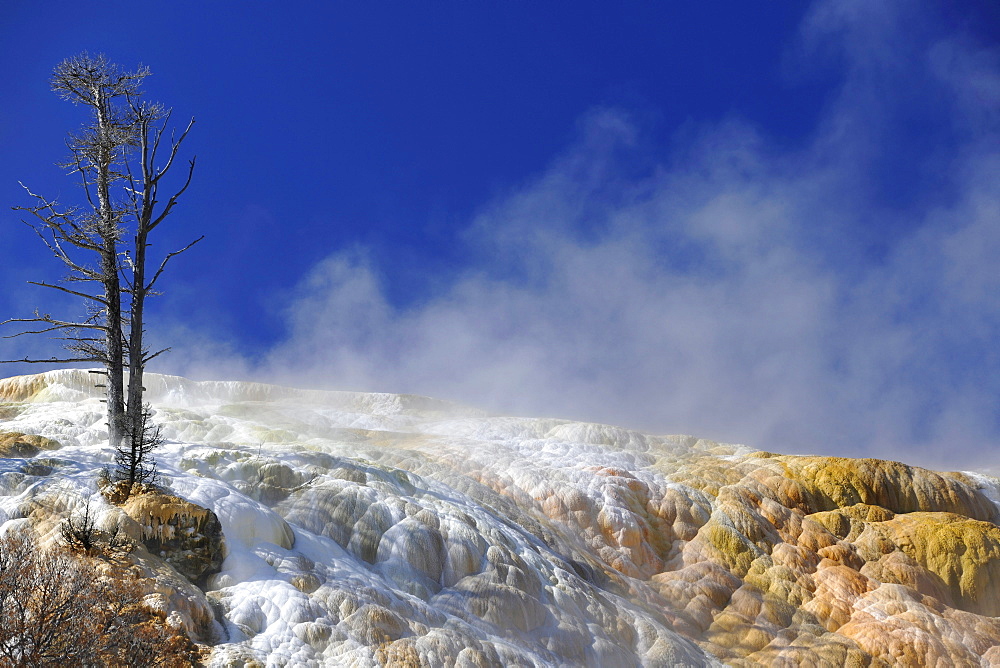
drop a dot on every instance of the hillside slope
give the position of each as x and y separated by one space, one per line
371 529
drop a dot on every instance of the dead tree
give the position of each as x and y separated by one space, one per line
86 239
116 158
151 123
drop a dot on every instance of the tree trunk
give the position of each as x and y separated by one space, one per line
109 271
136 354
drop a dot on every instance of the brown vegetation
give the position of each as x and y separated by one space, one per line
60 608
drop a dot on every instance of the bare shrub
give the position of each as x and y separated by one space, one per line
81 534
61 609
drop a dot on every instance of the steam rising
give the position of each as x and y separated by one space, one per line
736 291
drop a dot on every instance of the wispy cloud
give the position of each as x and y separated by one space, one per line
740 290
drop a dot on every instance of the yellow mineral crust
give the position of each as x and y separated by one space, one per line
186 535
831 561
768 559
160 514
16 444
962 553
835 482
22 388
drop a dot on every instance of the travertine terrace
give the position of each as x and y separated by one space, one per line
377 529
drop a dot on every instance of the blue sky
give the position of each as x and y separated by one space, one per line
771 223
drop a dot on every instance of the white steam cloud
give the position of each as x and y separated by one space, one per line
734 293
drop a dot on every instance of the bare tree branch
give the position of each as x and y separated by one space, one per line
147 358
173 199
99 300
175 146
149 286
52 360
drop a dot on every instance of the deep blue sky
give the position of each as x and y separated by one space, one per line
449 197
321 125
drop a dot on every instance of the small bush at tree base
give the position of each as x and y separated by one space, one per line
134 463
